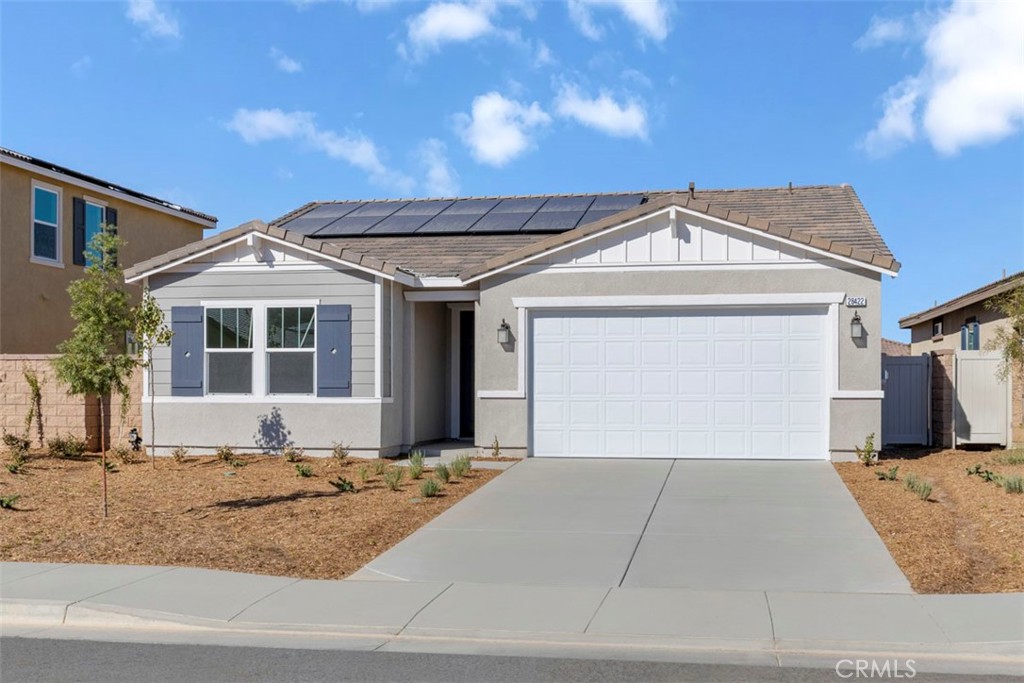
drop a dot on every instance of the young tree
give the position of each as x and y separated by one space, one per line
1008 339
150 332
94 361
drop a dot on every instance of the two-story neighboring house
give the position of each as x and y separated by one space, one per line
48 214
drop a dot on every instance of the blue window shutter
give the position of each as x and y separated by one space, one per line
187 346
963 338
78 232
334 350
976 336
110 218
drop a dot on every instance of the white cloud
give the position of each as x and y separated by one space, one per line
81 65
882 31
603 113
499 129
971 88
155 21
543 55
262 125
649 17
284 62
441 179
448 22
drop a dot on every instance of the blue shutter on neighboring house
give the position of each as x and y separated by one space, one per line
963 338
333 350
187 346
78 231
976 336
110 218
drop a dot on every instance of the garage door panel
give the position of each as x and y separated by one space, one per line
693 383
725 325
767 414
550 382
585 355
767 383
730 383
657 444
620 354
585 383
656 354
730 444
656 413
620 412
767 352
730 413
692 414
693 352
730 352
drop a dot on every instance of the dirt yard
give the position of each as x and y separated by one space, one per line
966 538
261 517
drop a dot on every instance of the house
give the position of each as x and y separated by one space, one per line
891 347
47 216
713 324
962 327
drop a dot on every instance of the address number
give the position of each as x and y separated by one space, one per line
856 301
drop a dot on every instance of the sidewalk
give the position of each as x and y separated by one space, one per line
942 633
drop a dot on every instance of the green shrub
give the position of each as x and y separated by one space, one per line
442 472
495 448
1014 457
303 470
986 475
15 466
7 502
226 453
888 475
364 473
393 478
919 487
109 465
415 464
67 446
13 442
379 466
179 453
461 466
123 453
430 487
343 485
867 454
292 454
339 452
1013 484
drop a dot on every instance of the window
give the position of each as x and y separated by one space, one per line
291 350
936 328
229 350
95 215
45 223
970 335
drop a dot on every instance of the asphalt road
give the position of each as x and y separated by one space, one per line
25 660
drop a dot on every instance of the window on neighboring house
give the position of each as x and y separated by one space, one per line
936 328
94 218
291 350
970 335
229 350
45 223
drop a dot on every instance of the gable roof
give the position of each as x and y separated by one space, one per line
24 160
975 296
891 347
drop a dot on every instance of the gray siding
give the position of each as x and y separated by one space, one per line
329 286
387 321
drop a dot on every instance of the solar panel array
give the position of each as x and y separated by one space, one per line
459 216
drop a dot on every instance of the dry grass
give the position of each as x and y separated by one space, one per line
965 539
259 518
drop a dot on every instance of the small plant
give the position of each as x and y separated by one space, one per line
15 466
364 474
379 466
442 472
888 475
461 466
67 446
415 464
292 454
1014 457
393 478
1013 484
15 443
495 448
124 454
107 465
430 488
343 485
237 462
226 453
179 453
919 487
867 454
339 452
986 475
303 470
34 417
7 502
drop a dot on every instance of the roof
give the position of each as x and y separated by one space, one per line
891 347
804 217
831 212
980 294
104 184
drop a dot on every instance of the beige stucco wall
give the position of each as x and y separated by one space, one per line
34 302
921 340
859 363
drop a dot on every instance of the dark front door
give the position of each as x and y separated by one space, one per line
466 383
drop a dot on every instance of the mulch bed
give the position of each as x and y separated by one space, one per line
261 518
966 538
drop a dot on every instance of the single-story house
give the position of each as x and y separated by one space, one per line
703 324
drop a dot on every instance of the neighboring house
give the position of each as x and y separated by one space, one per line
710 324
47 216
891 347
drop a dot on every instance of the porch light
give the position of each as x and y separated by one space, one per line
856 327
504 333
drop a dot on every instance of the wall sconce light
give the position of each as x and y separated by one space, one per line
504 333
856 327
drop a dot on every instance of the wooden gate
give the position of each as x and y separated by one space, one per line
981 406
906 405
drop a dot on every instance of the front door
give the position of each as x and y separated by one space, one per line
466 383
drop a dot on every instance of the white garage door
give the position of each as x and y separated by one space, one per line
718 384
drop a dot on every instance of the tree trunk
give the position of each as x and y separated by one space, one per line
103 454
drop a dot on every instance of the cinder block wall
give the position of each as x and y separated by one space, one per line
942 398
61 413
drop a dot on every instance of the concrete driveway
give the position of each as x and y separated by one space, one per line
698 524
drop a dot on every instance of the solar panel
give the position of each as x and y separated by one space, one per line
519 205
580 204
424 208
333 210
398 225
592 215
616 202
305 225
378 209
552 221
449 223
349 225
471 206
501 222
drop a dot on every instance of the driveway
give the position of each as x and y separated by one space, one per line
698 524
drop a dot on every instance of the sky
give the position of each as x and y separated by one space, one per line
251 109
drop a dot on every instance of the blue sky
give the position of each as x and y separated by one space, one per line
248 110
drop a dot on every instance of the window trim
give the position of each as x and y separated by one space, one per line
207 350
42 260
268 350
937 331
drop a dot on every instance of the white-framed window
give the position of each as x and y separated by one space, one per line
46 215
95 217
229 350
937 328
291 350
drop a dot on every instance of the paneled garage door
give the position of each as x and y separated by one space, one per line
702 384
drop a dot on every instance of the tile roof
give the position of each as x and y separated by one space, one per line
980 294
891 347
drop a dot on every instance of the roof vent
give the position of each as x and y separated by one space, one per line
791 187
692 186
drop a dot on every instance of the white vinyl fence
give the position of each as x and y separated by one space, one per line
981 406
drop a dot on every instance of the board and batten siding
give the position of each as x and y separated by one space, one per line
329 285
